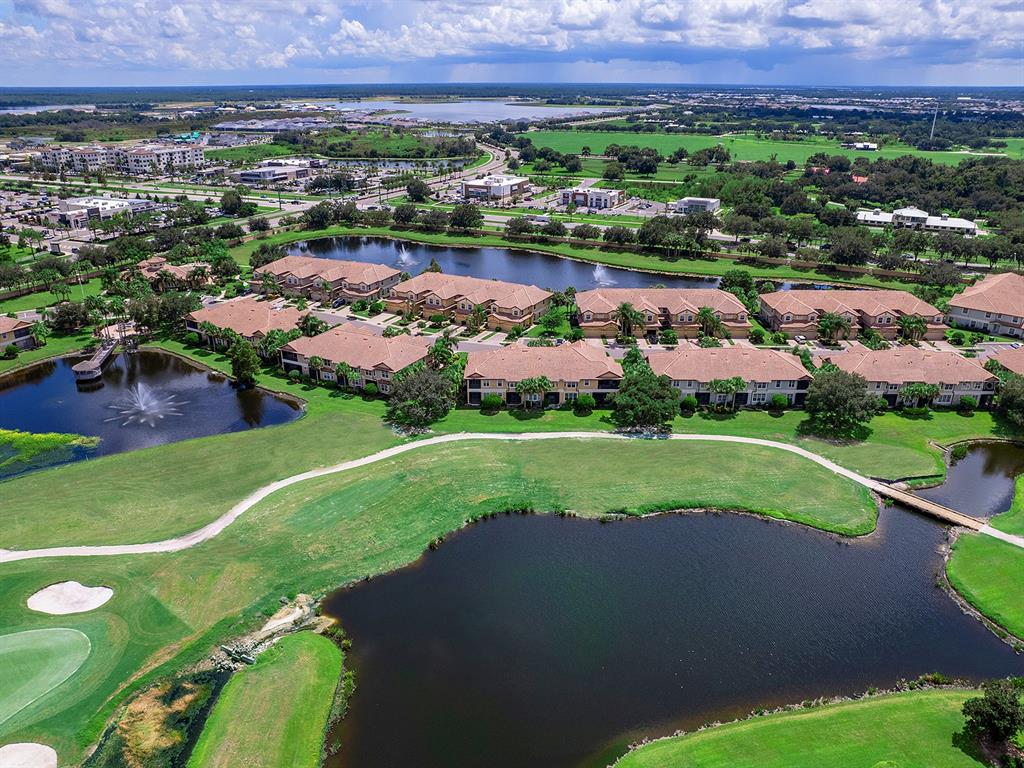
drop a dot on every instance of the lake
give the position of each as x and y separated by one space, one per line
470 111
143 399
545 641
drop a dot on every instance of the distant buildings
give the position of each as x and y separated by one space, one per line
142 159
689 205
274 125
915 218
496 187
869 146
591 197
77 212
992 305
798 312
662 308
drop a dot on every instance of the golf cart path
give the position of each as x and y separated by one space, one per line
214 528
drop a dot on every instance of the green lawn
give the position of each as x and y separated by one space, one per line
249 154
54 347
47 299
274 713
905 730
741 147
35 663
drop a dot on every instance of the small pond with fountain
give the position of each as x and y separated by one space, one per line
143 399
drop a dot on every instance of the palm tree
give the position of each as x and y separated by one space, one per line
325 291
268 284
912 327
316 364
535 385
831 325
198 276
344 372
210 331
628 318
40 332
710 324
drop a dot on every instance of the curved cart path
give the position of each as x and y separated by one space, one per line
213 529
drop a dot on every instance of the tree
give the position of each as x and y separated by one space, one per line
316 364
420 398
230 203
644 401
319 216
245 363
998 714
838 402
613 171
551 320
434 220
466 216
709 323
518 226
311 325
268 284
259 224
586 232
442 352
913 394
737 224
533 386
40 332
942 274
912 327
1010 404
418 191
728 387
851 246
628 317
737 278
405 213
832 325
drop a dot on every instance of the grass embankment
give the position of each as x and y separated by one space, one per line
903 730
274 713
740 146
46 299
714 267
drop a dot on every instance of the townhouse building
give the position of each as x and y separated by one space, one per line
327 280
457 296
888 371
163 275
249 317
15 332
572 369
1011 359
796 313
765 373
992 305
676 308
370 359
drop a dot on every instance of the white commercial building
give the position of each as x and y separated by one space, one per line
77 212
591 197
271 174
689 205
915 218
496 186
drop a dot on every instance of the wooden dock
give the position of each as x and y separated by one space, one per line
93 367
945 514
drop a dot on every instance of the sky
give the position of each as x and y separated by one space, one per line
768 42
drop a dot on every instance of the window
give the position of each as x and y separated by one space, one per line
743 315
787 318
571 384
762 385
588 316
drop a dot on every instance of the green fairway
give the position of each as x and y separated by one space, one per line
34 663
274 713
740 146
904 730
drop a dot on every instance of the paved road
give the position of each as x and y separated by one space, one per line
213 529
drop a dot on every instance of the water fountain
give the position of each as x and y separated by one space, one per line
602 278
143 406
405 259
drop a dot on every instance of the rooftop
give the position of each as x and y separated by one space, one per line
361 348
331 270
565 362
672 300
1002 294
748 363
249 316
874 303
907 365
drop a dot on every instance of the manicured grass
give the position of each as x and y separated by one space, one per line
274 713
55 346
36 662
990 575
249 154
47 299
905 730
741 147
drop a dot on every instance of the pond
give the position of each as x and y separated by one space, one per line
982 483
545 641
143 399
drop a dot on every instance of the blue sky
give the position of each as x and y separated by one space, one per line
169 42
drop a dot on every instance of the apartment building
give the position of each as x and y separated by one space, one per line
328 280
992 305
371 359
915 218
572 369
687 205
591 197
496 187
15 332
796 313
766 373
163 275
1011 359
674 308
142 159
457 296
888 371
249 317
85 159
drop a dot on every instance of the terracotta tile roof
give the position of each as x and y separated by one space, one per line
475 289
331 270
697 364
361 348
909 364
249 316
1002 294
874 303
566 362
9 324
672 300
1011 359
154 265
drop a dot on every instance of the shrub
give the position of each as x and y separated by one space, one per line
192 339
490 402
959 452
957 338
10 352
778 402
514 332
756 336
668 336
689 404
584 403
574 334
376 307
371 389
437 319
779 338
294 374
968 403
708 342
359 305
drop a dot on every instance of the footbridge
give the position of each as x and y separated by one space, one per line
930 508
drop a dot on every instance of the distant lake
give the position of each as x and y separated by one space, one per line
472 111
36 109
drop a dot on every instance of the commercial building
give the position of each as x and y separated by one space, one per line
796 313
889 371
77 212
272 174
249 317
370 359
687 205
496 187
915 218
662 308
870 146
591 197
994 304
327 280
765 373
457 296
15 332
572 369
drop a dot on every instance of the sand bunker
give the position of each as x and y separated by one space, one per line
27 755
68 597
